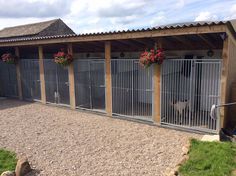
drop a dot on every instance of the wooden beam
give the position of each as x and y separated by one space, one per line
41 75
145 42
108 78
182 40
119 46
131 43
156 93
229 33
157 89
71 78
96 44
18 74
123 35
224 81
207 41
228 78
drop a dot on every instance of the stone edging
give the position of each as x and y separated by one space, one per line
185 152
22 168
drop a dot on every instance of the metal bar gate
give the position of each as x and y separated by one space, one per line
90 84
131 89
8 80
30 79
56 83
189 88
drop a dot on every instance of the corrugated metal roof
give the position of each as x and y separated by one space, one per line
162 27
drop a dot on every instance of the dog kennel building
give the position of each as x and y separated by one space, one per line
106 76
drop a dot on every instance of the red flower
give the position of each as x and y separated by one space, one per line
8 58
63 58
153 56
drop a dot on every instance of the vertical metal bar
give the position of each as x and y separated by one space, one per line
212 92
207 92
177 118
123 107
90 86
191 90
219 99
152 95
215 93
168 97
57 84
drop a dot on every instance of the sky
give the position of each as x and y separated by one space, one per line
86 16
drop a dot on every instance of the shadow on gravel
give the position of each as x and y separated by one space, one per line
6 103
34 172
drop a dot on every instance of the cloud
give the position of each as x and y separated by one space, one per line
158 20
232 13
106 15
33 8
180 3
121 9
206 16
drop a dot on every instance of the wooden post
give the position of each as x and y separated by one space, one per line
108 78
41 72
18 75
71 79
224 81
157 90
156 93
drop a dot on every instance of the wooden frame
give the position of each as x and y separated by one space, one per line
108 78
157 94
41 72
71 79
228 75
18 74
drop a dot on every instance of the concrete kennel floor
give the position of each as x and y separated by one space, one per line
59 141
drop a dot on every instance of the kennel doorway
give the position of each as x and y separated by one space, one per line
90 84
56 83
131 89
189 88
8 80
30 79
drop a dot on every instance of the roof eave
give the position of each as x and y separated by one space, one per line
148 33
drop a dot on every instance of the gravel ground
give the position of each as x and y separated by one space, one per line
59 141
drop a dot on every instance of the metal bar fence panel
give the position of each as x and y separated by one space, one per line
63 85
82 84
90 84
189 88
8 80
30 79
97 78
50 76
56 83
131 89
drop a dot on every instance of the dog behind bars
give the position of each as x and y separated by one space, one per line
181 107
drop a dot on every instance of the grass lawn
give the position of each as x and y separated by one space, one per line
209 159
7 161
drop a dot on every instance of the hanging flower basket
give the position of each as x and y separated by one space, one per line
63 58
147 58
9 58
